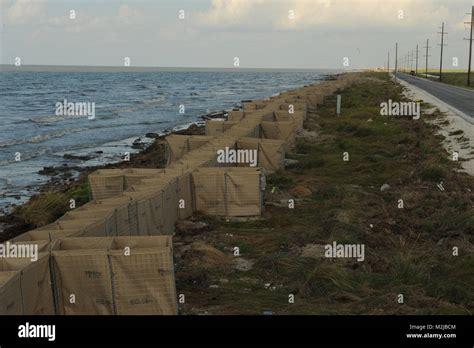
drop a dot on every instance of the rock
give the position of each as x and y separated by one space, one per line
152 135
74 157
193 129
384 187
191 227
370 120
137 144
47 171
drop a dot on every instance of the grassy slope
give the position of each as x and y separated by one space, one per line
451 78
408 251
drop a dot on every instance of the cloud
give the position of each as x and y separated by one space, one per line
230 12
122 20
342 14
127 15
327 14
21 11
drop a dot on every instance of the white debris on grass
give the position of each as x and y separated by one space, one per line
463 143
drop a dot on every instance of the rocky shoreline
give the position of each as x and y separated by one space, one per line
66 177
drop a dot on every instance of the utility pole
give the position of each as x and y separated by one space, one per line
470 47
416 66
441 55
427 55
388 63
396 57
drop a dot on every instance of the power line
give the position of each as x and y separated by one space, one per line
441 55
396 57
388 63
427 55
470 47
416 67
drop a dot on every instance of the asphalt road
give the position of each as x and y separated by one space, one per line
459 98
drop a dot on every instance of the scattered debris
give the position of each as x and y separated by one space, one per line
242 264
314 251
440 186
290 162
306 134
188 227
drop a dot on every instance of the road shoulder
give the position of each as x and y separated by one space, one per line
449 125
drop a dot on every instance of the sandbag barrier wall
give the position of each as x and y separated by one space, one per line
101 275
25 286
117 275
117 211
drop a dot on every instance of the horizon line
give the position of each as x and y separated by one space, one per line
95 68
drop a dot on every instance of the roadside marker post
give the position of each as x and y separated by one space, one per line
338 106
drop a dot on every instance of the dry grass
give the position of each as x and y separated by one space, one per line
408 250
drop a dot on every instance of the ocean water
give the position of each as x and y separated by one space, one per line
127 105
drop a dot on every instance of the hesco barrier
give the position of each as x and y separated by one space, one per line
25 286
10 293
107 183
284 130
179 145
217 127
147 202
120 275
46 233
228 191
271 153
277 113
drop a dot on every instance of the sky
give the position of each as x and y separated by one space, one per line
260 33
